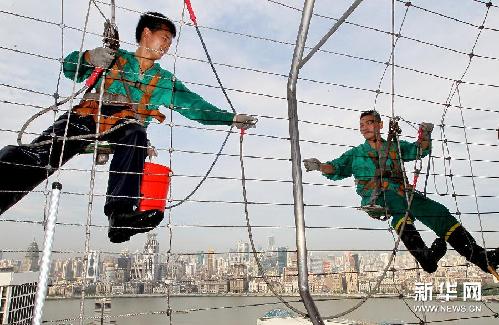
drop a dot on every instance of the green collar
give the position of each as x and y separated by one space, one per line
134 64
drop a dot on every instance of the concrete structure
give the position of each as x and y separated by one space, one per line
17 297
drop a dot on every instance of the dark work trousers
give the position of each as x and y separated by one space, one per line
22 168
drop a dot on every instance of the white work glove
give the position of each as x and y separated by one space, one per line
426 129
151 150
243 121
101 57
312 164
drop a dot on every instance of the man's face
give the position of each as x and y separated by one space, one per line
370 128
157 43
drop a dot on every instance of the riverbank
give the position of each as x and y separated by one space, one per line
318 297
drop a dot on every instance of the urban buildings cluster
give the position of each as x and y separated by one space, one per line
236 272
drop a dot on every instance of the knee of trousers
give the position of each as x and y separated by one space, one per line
398 220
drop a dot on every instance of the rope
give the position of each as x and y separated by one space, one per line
241 155
453 91
90 205
261 270
170 152
193 18
490 267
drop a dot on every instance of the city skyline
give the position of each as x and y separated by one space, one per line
235 272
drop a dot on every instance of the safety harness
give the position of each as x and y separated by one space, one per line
378 182
90 104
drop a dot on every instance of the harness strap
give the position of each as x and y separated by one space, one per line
142 107
114 72
90 104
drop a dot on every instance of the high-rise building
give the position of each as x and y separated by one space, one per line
211 263
30 261
292 260
316 264
78 267
200 259
17 297
271 243
151 258
67 270
243 250
282 259
124 267
146 265
352 262
93 261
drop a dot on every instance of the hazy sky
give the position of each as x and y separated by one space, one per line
347 78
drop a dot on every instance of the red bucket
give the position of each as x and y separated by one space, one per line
154 187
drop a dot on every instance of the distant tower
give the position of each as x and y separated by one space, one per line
244 252
211 262
282 258
93 261
30 262
271 243
151 258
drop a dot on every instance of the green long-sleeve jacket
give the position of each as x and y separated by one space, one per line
361 163
186 102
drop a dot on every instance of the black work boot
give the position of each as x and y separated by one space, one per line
123 225
426 257
465 244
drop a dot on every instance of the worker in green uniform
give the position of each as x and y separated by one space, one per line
135 86
380 182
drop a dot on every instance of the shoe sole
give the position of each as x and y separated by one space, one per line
145 224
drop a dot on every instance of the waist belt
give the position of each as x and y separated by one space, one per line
108 99
123 111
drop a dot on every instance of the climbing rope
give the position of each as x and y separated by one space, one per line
224 142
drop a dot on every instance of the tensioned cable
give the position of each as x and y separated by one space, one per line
262 38
56 97
267 180
261 270
170 156
409 198
193 19
402 96
490 267
453 91
215 226
91 200
439 14
412 69
93 169
280 119
263 180
388 33
370 250
73 91
263 116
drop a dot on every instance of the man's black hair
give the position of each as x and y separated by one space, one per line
154 21
373 113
